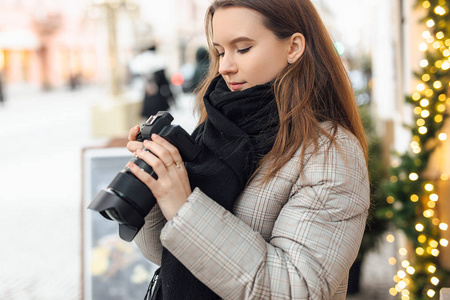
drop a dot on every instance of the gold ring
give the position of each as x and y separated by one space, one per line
168 165
178 163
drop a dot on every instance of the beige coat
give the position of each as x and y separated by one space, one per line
293 238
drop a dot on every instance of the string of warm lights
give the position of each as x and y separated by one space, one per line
414 198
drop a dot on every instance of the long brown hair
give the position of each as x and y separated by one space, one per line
314 89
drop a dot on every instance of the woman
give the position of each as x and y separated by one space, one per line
275 205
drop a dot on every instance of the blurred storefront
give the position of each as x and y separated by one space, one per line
45 45
49 43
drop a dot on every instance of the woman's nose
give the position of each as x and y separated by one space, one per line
227 65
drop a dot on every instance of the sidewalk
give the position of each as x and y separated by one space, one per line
41 138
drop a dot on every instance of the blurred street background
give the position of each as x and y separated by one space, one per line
77 75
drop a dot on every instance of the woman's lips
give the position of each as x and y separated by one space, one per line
236 85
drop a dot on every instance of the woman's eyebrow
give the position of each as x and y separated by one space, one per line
236 40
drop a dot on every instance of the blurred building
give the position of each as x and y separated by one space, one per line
44 43
177 27
49 43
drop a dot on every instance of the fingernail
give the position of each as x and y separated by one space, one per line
138 151
155 136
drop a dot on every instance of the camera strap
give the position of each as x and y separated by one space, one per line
154 287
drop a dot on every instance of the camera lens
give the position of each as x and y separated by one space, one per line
127 200
114 214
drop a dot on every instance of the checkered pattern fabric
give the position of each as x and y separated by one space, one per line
293 238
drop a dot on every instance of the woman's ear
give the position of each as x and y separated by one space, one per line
297 46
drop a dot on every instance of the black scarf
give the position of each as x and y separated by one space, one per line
239 130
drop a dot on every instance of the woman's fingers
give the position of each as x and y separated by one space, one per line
157 165
132 134
153 161
170 158
168 153
171 148
133 144
143 176
169 177
172 187
178 163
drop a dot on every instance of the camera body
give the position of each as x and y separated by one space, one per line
127 200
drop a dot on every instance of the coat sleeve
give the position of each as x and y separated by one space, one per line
147 238
314 241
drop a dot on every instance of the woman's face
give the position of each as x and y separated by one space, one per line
249 53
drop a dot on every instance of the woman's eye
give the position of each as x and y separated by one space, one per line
242 51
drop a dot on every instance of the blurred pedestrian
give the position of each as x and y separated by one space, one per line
75 81
157 94
275 205
201 67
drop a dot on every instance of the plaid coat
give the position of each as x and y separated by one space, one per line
293 238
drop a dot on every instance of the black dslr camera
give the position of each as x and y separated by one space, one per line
127 200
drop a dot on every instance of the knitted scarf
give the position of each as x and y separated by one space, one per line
239 130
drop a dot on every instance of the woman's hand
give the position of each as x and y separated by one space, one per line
172 187
133 145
